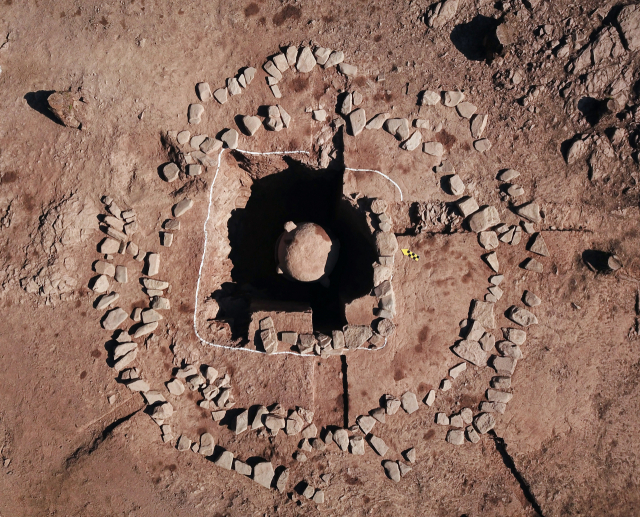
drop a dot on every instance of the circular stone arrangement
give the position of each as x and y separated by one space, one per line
478 347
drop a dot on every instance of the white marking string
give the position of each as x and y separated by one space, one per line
381 174
204 253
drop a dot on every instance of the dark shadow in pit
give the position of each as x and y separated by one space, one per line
596 260
38 101
592 109
301 194
470 38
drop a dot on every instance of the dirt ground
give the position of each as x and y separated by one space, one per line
569 441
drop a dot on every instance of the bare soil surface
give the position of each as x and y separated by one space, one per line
75 441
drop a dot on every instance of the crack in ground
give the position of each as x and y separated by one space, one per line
501 447
87 449
345 391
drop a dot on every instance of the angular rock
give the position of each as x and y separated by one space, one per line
445 385
138 386
221 95
482 145
386 244
455 436
467 206
65 106
442 419
504 366
457 370
466 109
471 351
487 342
207 444
175 387
492 260
125 360
286 118
484 422
508 349
149 316
356 336
242 422
521 316
493 407
538 246
263 473
230 138
530 211
629 23
413 142
483 313
531 299
114 318
204 93
366 423
433 148
99 284
531 264
322 55
483 219
224 460
409 402
494 395
356 445
104 268
429 98
336 57
357 120
143 330
195 113
478 125
516 336
281 481
472 434
377 121
455 185
453 98
306 61
430 398
488 240
121 275
378 445
348 70
392 470
271 68
391 404
109 246
242 468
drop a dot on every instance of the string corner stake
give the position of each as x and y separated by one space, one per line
410 254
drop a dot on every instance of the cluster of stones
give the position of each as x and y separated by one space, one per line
400 128
120 225
235 85
478 342
350 337
304 60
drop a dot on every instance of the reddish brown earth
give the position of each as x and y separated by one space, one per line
571 430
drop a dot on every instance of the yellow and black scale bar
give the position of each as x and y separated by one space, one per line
411 254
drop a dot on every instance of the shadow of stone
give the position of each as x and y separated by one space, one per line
472 39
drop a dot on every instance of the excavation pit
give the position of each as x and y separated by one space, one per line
300 194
